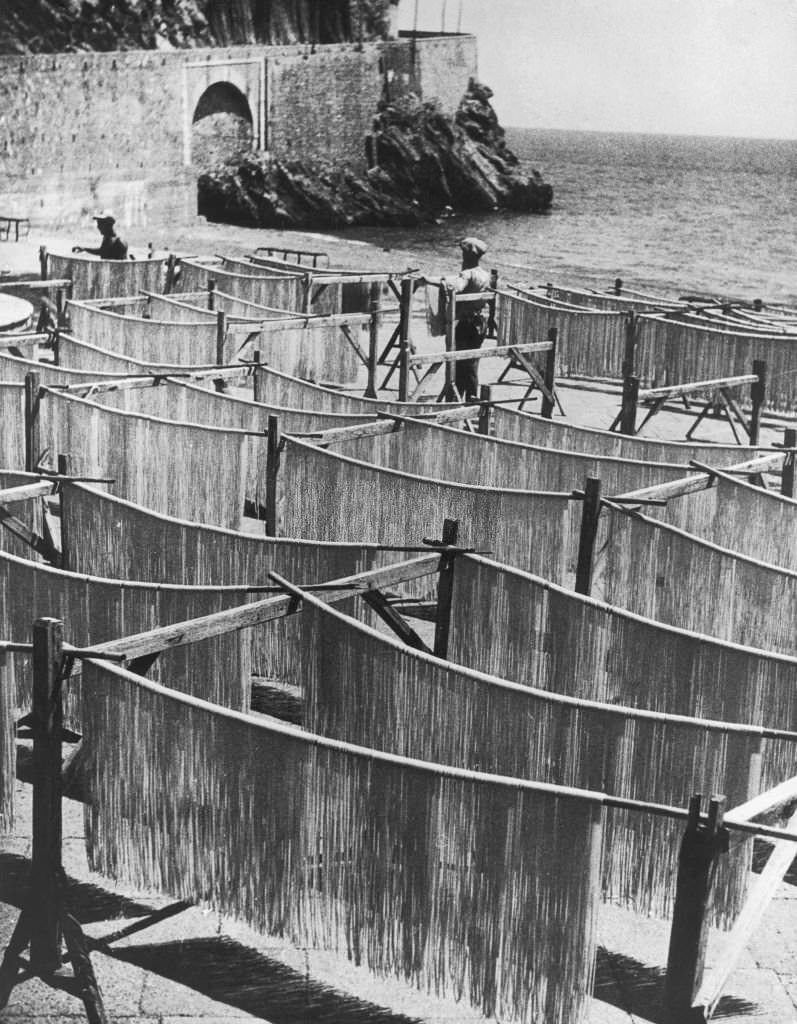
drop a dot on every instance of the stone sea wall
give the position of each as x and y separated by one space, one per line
89 129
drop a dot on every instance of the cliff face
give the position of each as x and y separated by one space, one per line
57 26
424 164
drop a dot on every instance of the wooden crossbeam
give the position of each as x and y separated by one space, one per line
56 282
290 324
147 380
10 495
493 352
422 381
704 479
231 619
376 599
674 390
535 375
345 330
34 540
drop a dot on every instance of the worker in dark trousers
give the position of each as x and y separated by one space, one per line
471 325
112 247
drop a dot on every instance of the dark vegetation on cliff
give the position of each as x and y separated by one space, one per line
56 26
425 164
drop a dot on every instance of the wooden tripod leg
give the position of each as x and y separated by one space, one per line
703 413
9 969
89 990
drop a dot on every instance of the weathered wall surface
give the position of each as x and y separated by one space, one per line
85 130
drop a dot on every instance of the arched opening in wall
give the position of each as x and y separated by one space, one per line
222 130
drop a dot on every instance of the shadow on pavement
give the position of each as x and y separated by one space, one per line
223 969
637 989
229 972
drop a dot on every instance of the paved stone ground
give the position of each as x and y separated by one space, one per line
196 967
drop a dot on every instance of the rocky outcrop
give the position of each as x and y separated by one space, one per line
425 164
57 26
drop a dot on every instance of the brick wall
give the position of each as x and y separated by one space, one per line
322 105
83 130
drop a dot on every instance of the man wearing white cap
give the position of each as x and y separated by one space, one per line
112 247
471 324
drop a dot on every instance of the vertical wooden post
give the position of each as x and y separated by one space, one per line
60 306
56 343
307 285
485 395
257 380
631 337
407 295
787 479
171 270
373 340
701 846
405 322
273 449
404 371
43 262
211 293
221 336
492 325
32 444
628 408
590 514
64 469
757 395
451 326
46 868
549 374
445 590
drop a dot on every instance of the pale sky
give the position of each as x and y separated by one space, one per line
693 67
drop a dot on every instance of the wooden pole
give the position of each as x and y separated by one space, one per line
757 396
60 307
628 408
43 262
407 294
450 370
46 868
404 371
485 395
373 341
273 449
445 590
171 270
631 337
405 320
492 325
221 336
787 479
32 442
590 514
550 375
257 378
211 293
702 844
64 469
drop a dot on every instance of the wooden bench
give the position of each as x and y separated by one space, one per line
17 224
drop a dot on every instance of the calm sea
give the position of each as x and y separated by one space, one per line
672 214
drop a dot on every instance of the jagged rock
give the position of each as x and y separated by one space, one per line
426 162
55 26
